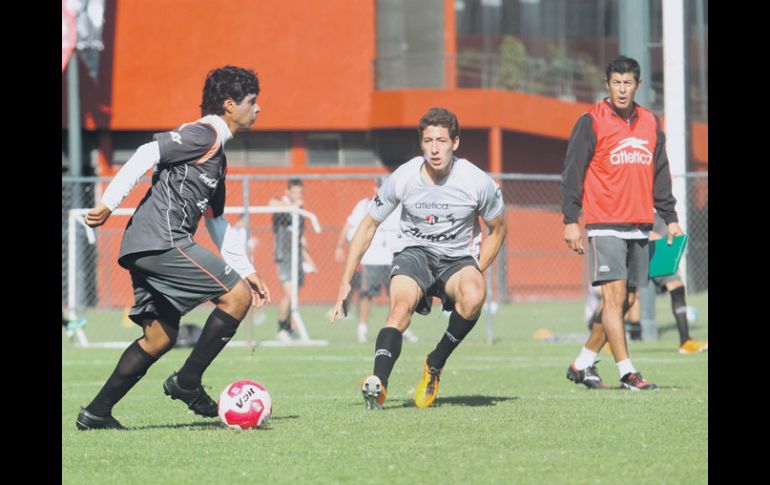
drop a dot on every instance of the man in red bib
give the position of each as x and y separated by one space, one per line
617 171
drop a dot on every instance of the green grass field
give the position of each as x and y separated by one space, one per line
505 412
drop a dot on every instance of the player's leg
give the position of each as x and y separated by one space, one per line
186 277
466 288
405 294
463 292
676 289
284 311
219 329
633 321
133 364
638 262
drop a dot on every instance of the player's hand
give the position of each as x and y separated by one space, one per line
674 230
98 215
341 307
260 290
573 237
339 255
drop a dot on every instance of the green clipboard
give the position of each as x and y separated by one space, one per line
664 259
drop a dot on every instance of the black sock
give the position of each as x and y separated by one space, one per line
284 325
455 333
132 365
218 330
634 329
386 352
679 307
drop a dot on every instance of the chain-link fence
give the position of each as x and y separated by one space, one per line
534 262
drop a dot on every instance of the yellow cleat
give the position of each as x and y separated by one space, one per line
374 392
693 347
427 388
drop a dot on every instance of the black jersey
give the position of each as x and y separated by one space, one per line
189 178
282 231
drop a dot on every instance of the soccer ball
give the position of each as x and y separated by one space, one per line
244 405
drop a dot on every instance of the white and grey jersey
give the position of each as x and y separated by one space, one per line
441 218
188 179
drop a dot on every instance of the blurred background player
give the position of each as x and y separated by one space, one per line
675 287
374 272
616 169
282 232
171 274
439 251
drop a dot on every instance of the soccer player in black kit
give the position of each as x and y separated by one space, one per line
170 273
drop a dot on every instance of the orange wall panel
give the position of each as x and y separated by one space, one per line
314 60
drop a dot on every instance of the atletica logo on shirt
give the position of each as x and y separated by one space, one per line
631 151
431 205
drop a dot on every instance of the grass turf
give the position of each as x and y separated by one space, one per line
505 412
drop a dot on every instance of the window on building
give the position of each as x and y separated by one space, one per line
347 148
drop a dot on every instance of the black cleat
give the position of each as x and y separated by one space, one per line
86 421
588 377
635 382
196 399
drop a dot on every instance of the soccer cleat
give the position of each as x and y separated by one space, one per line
374 392
86 421
588 377
196 399
693 347
427 388
635 382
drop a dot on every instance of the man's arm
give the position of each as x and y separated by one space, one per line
145 158
361 241
232 246
580 151
493 242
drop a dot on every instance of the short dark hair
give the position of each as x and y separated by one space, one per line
295 182
440 117
228 82
622 65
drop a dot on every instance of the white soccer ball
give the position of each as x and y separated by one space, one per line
244 405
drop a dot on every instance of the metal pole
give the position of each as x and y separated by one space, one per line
634 41
674 99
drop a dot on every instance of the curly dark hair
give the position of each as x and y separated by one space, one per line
622 65
228 82
440 117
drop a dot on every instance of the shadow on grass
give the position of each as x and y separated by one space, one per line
205 425
470 401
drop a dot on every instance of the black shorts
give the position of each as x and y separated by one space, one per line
431 273
170 283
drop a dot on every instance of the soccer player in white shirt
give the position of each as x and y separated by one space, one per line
438 250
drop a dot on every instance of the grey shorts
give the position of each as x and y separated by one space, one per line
169 283
431 273
284 271
612 258
660 282
371 279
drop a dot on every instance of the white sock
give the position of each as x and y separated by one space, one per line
625 366
585 359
